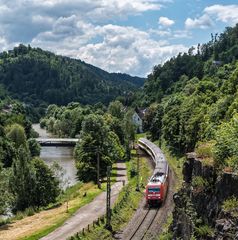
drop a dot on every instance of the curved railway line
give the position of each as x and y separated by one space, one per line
147 222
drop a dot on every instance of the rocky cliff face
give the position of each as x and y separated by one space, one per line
199 206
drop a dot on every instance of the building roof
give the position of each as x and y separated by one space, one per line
140 112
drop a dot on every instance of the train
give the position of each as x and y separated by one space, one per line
157 187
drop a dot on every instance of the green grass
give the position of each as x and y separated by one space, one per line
166 235
231 205
140 135
91 194
125 206
71 193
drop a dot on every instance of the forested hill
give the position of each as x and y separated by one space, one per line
193 107
35 76
193 98
205 60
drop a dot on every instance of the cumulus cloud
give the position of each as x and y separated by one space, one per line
224 13
203 22
182 34
120 49
166 22
88 30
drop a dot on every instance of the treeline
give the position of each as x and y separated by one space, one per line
104 133
25 180
203 61
39 78
193 100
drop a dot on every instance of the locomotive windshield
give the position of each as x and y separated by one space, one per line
153 189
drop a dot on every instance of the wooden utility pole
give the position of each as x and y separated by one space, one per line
138 171
98 170
108 223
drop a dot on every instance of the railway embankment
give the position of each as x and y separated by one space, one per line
206 207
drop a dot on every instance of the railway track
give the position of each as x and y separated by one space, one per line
146 222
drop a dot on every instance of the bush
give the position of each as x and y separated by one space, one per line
4 221
30 211
232 162
205 151
133 171
166 236
43 123
204 231
230 204
199 182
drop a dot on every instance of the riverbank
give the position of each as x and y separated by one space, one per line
41 223
63 156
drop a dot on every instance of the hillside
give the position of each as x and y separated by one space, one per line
36 76
192 94
193 106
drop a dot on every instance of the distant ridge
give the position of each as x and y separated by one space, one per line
35 76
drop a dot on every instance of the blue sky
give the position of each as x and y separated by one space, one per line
116 35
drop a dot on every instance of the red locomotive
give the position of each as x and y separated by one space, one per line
156 189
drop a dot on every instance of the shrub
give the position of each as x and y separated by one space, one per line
166 236
230 204
204 231
30 211
199 182
205 149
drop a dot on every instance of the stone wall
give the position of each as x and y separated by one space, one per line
197 205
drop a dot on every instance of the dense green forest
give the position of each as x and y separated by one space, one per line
104 133
39 78
193 100
25 180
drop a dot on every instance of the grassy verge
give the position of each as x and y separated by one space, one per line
76 199
124 208
34 224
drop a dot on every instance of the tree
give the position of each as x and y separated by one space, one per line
23 180
46 185
7 152
96 141
17 134
34 147
116 109
6 197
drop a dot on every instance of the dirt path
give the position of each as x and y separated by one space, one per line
90 212
159 220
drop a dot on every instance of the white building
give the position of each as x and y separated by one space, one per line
137 119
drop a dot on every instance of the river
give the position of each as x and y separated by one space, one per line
62 155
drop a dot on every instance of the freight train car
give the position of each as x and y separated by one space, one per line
157 187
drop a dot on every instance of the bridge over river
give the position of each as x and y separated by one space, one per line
57 141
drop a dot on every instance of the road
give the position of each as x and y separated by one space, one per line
90 212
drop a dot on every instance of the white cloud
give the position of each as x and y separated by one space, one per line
87 30
182 34
225 13
203 22
166 22
120 49
160 33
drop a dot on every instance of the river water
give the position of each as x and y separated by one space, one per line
62 155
